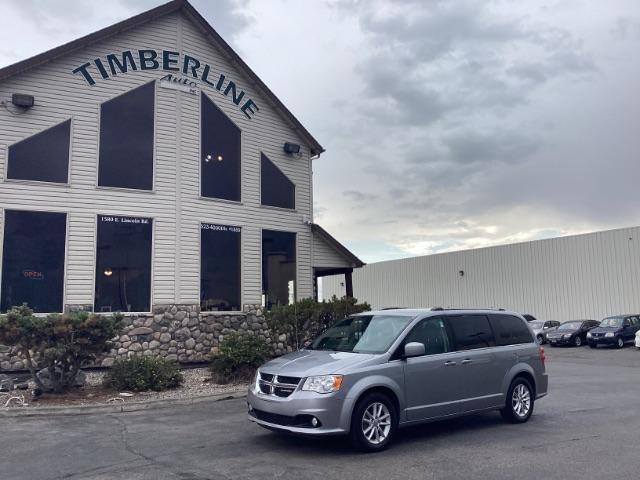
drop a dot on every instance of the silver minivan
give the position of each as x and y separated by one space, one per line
377 371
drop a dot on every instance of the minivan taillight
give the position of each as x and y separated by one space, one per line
542 355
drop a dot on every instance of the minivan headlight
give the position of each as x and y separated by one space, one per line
323 383
256 381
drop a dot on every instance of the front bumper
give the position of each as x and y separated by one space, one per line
602 340
287 414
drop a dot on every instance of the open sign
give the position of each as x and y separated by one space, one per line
33 275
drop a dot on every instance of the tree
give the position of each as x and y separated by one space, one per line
58 343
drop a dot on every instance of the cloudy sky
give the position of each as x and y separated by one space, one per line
448 124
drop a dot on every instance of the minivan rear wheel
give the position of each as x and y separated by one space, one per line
519 403
373 423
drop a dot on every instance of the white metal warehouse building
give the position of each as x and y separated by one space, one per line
581 276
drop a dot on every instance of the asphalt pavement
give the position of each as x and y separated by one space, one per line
587 428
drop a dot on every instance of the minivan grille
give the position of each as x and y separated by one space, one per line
277 385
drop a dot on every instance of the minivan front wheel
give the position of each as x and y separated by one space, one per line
519 403
373 423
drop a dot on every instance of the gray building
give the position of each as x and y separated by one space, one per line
146 166
581 276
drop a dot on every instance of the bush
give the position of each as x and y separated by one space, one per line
140 374
61 343
306 319
240 354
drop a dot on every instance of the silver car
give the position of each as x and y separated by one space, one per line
374 372
542 327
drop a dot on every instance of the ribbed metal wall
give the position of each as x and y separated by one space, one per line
582 276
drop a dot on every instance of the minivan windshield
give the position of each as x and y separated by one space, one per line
611 322
362 334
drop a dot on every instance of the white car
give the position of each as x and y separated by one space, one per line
638 339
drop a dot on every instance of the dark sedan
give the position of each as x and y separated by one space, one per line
573 332
616 330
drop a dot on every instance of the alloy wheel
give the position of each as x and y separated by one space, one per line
521 400
376 423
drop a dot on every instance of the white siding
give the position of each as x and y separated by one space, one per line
174 204
581 276
326 256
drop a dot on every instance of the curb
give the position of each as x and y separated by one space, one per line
239 392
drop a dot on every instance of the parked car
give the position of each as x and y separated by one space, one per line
573 332
377 371
638 339
616 330
542 327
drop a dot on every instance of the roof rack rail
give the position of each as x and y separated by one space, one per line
392 308
440 309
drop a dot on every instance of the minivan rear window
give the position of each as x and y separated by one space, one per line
471 332
510 330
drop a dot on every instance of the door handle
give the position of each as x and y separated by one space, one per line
450 363
466 361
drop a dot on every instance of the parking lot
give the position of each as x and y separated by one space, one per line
588 427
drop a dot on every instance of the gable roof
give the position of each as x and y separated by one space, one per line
341 249
153 14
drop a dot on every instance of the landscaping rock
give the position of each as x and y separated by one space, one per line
6 383
44 377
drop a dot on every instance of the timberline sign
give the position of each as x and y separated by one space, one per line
169 61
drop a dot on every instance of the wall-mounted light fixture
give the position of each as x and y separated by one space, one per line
23 101
291 148
108 272
461 273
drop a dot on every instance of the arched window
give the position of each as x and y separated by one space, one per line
276 189
126 140
220 152
43 157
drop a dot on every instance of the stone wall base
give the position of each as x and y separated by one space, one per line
176 332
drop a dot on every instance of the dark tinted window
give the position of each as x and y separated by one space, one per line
471 331
278 267
219 267
43 156
277 190
432 333
510 330
126 140
33 260
220 150
123 264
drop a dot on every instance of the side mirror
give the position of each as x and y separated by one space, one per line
414 349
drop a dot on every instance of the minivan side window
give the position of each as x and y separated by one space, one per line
432 333
510 330
471 332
